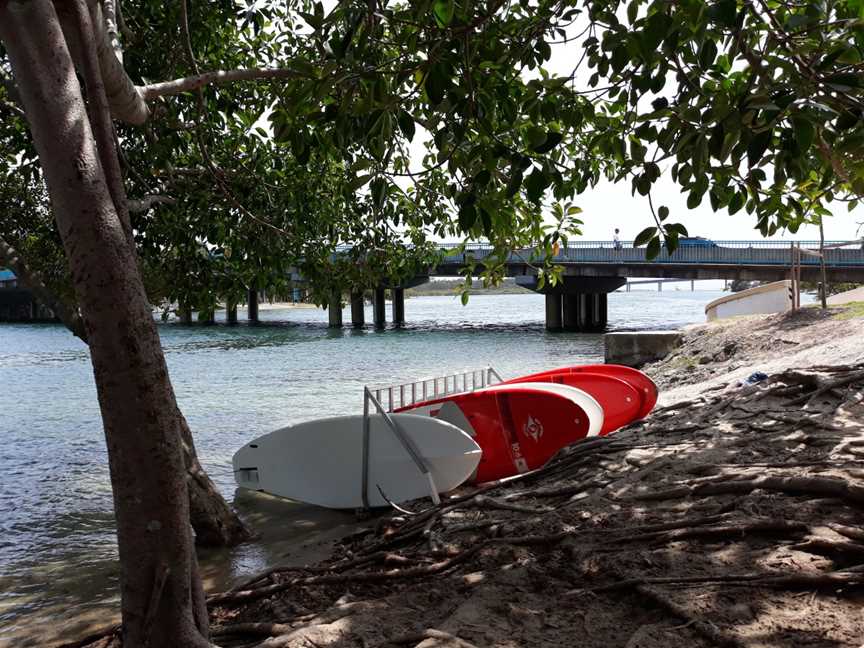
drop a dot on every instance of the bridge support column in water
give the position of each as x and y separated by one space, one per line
602 310
553 312
184 312
378 314
398 306
572 309
252 309
358 312
334 310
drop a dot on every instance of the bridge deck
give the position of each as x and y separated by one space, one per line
720 260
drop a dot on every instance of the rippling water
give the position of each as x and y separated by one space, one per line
57 545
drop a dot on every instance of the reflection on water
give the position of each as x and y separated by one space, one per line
57 546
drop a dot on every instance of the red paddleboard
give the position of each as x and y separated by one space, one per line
635 378
518 427
620 401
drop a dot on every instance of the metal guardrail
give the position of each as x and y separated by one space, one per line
721 252
759 252
429 389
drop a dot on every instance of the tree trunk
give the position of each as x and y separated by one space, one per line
215 523
160 588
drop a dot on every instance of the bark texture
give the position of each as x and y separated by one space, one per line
160 588
215 523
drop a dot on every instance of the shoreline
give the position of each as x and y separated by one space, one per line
716 377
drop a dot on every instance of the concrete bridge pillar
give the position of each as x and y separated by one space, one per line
207 316
378 314
334 310
572 311
252 309
593 311
184 312
553 312
398 306
601 311
231 313
358 311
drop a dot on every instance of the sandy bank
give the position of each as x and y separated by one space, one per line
727 351
731 518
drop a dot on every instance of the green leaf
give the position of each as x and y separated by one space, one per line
514 183
805 133
358 182
708 53
644 236
723 12
535 185
736 203
482 178
552 139
693 200
406 124
757 147
671 243
663 212
653 249
486 221
536 137
467 217
379 191
437 82
464 297
443 11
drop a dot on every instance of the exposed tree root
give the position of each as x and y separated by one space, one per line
107 631
825 580
718 532
704 628
813 486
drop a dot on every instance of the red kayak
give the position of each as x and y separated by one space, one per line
643 385
518 426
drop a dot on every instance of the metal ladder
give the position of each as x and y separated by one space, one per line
429 389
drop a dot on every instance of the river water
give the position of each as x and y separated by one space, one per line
57 546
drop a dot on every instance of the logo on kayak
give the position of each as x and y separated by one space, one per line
533 428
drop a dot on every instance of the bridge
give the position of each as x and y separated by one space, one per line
593 269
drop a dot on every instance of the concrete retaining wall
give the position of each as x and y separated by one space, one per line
635 348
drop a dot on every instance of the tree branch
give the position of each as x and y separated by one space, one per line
32 280
100 116
179 86
124 100
148 202
111 11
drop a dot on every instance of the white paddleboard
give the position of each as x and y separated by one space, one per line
321 462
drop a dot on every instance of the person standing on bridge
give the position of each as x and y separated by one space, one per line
616 240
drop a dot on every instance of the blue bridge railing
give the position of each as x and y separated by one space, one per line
701 253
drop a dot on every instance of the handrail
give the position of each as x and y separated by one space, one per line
428 389
406 442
